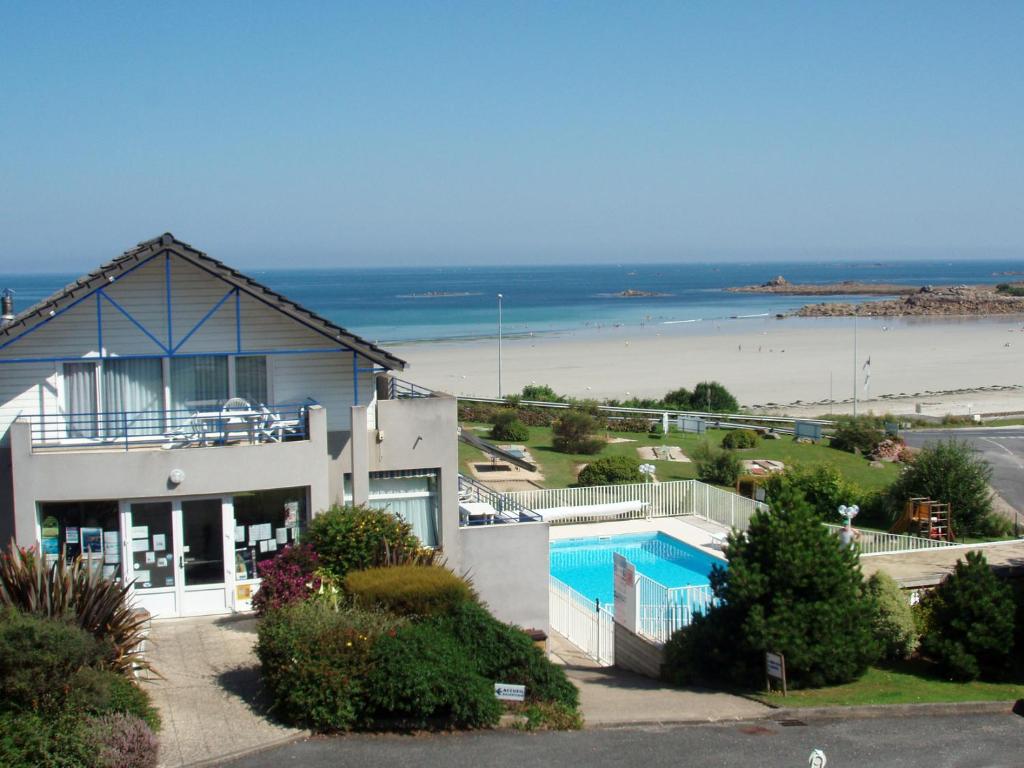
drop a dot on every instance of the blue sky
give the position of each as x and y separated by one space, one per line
276 134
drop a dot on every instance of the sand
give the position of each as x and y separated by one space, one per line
951 365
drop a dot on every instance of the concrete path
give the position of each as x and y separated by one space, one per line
210 700
610 696
927 567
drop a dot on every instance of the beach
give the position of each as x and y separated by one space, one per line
949 365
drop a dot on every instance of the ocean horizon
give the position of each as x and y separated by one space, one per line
411 304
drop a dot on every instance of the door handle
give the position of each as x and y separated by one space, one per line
181 561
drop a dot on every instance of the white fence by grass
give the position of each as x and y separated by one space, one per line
884 543
669 499
584 622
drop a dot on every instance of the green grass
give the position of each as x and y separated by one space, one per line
910 682
558 468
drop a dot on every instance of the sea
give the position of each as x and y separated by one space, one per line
417 304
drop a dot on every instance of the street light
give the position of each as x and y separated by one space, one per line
500 297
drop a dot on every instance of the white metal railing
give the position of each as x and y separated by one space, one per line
884 543
663 610
668 499
583 622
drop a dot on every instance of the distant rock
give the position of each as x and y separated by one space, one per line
776 282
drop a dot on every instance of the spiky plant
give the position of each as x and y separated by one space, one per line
75 593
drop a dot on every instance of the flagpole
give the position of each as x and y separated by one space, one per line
855 366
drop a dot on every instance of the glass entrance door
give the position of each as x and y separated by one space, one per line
150 548
201 564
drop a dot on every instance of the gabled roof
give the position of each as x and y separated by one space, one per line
168 243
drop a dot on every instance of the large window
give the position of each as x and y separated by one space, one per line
88 528
118 396
266 522
410 494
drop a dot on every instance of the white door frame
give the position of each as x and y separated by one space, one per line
181 599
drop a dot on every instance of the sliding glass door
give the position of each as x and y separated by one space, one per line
133 396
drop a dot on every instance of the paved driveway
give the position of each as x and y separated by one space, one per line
1002 447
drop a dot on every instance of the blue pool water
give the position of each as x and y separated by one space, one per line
586 564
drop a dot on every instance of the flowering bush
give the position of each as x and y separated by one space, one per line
123 741
353 538
289 577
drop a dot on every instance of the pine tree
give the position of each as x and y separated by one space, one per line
790 588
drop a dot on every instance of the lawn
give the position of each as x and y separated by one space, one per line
910 682
559 468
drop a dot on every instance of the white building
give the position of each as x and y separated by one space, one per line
178 422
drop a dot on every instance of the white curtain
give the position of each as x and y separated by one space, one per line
133 396
198 384
251 379
80 399
414 499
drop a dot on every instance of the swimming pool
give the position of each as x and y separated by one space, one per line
586 564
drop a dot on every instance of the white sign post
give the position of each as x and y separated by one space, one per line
775 668
509 692
625 593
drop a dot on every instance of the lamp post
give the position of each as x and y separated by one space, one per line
500 297
847 535
855 366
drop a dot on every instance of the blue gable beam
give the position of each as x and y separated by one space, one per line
74 304
207 316
135 322
80 359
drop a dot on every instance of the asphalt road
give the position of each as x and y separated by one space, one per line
963 741
1003 447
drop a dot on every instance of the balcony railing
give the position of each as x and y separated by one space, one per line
480 505
180 428
399 389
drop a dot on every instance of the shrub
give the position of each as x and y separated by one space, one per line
893 624
574 433
38 657
712 396
123 741
950 472
679 399
503 653
822 486
970 625
629 425
790 588
78 594
30 740
314 659
286 578
409 590
853 435
550 716
102 692
740 438
507 426
353 538
716 466
420 677
541 393
611 470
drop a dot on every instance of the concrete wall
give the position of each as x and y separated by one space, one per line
78 475
509 566
638 654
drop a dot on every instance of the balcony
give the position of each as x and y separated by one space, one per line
235 422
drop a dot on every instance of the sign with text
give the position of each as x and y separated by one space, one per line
508 692
625 592
775 669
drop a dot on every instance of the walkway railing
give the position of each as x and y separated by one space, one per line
883 543
585 623
664 610
507 509
668 499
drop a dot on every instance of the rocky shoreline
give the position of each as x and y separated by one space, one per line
782 286
949 300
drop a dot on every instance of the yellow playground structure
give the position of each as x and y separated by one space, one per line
924 517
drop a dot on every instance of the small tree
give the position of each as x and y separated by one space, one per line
679 399
507 426
712 396
893 622
611 470
970 621
953 473
541 393
574 432
854 435
357 537
822 486
716 466
740 439
790 587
